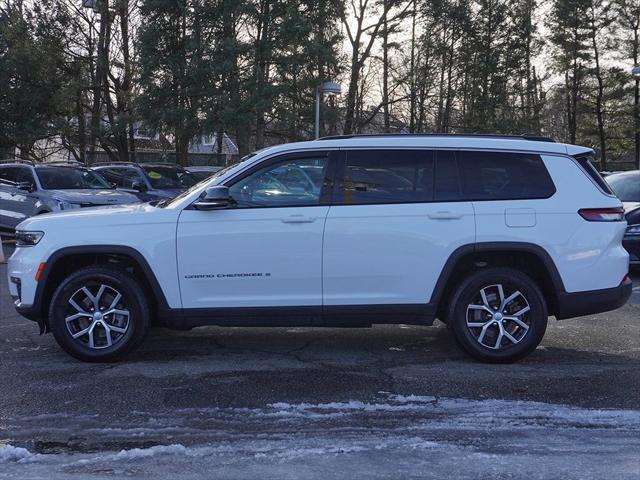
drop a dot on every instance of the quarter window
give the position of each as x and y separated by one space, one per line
386 176
294 182
503 176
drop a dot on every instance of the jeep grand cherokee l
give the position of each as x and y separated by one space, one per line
491 235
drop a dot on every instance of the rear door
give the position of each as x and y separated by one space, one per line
386 237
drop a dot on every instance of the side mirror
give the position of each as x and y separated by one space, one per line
139 186
213 198
27 186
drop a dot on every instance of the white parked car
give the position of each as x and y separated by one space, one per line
488 234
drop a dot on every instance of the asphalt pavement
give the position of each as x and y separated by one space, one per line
386 402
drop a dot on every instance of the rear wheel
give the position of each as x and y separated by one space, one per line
99 314
498 315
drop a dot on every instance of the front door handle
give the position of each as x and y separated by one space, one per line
445 215
298 219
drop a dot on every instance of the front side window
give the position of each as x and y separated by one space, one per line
386 176
64 178
294 182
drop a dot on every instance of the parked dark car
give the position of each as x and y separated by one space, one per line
203 172
148 181
28 189
627 187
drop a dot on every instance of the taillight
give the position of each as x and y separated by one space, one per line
602 214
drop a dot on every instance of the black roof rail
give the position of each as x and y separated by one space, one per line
534 138
102 164
24 162
62 163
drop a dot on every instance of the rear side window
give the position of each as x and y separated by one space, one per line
386 176
503 176
587 166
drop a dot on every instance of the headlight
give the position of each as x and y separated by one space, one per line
633 230
28 239
62 205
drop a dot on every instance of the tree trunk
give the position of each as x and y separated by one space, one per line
412 72
99 75
352 93
385 70
600 94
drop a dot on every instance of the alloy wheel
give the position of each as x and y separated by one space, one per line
498 317
97 316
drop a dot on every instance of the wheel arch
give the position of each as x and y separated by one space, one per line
69 259
528 258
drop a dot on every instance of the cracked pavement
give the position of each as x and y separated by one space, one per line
216 387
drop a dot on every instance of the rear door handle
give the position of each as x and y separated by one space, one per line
445 215
298 219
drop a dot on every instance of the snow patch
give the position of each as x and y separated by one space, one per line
136 453
11 454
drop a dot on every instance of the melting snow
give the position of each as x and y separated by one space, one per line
11 454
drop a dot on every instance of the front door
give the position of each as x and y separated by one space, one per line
266 248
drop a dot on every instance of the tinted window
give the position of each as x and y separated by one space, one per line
9 175
64 178
587 166
503 176
121 177
25 176
295 182
626 186
169 177
386 176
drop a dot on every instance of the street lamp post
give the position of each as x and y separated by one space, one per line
636 113
329 88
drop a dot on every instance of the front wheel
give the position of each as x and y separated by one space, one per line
498 315
98 314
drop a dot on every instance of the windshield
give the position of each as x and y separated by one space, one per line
65 178
169 177
625 186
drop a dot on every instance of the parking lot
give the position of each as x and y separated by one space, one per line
325 403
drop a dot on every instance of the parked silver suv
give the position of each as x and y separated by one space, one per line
28 189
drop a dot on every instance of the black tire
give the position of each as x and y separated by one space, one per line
467 312
131 327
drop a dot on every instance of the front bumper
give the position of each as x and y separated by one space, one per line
595 301
632 245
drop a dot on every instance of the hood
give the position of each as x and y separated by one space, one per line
116 215
94 197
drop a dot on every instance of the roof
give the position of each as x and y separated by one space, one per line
489 142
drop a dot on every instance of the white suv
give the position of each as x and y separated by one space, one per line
488 234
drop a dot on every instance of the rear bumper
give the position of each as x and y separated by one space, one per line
595 301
